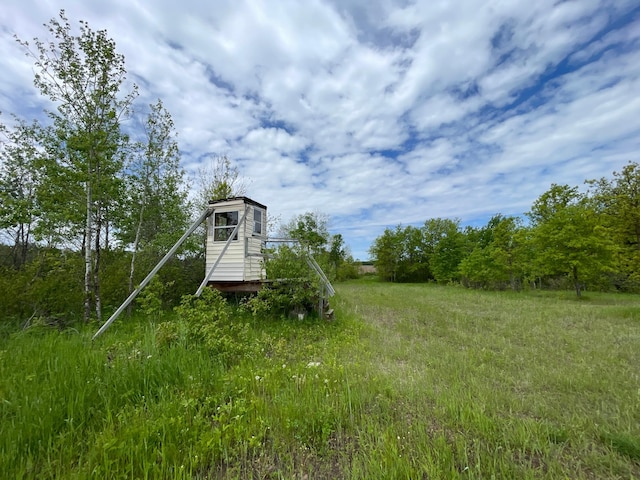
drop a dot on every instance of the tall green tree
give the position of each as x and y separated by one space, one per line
495 259
568 236
156 210
84 77
446 242
310 229
387 252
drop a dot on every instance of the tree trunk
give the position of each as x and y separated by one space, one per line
87 254
96 269
25 244
133 255
576 281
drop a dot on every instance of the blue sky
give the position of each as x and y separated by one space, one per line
374 113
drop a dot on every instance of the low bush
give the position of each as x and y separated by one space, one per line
205 322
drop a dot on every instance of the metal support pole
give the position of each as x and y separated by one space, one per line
151 274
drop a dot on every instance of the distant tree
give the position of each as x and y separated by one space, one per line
83 75
337 251
387 253
411 254
495 258
506 251
310 229
618 200
568 237
415 256
218 179
446 242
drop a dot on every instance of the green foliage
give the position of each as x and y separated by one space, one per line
218 179
447 241
574 241
410 254
204 322
388 252
292 285
617 200
496 259
48 287
310 229
156 211
569 238
19 182
150 298
283 297
347 270
83 76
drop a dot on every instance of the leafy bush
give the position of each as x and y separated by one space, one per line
206 322
49 287
283 297
150 299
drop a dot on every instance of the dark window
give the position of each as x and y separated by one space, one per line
257 221
223 226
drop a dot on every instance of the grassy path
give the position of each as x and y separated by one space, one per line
511 385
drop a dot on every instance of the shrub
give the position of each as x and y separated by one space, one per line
283 297
206 322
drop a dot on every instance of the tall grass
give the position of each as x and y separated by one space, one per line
410 381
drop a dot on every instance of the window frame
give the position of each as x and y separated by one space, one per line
231 220
255 223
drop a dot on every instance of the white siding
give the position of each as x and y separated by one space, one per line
253 267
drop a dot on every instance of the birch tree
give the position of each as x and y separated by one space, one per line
218 179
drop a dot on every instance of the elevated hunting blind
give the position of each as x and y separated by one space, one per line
236 239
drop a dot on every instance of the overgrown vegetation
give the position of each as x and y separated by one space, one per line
410 381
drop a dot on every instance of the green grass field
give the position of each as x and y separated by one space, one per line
409 381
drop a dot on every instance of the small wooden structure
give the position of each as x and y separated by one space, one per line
236 264
236 237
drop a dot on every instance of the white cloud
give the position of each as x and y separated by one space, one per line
375 113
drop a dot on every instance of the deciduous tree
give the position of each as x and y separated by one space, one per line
568 236
19 153
618 200
156 211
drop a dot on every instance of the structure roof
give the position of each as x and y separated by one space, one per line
244 199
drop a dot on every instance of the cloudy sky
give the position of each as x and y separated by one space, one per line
377 113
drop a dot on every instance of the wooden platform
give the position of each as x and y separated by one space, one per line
234 287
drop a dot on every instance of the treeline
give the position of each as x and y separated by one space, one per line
568 239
